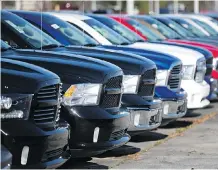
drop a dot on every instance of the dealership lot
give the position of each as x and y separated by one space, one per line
102 92
188 143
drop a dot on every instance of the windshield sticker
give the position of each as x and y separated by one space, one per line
55 26
15 26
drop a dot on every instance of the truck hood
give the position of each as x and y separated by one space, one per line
131 64
187 56
206 53
72 69
205 40
162 61
21 77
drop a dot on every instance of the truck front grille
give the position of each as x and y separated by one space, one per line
51 155
147 84
46 106
175 77
209 63
112 100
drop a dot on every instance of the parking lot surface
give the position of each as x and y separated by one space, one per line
190 142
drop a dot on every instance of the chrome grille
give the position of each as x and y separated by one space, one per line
175 77
147 84
112 100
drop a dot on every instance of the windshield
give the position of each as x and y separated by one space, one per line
144 30
166 31
68 32
179 29
105 31
32 35
185 24
120 29
205 26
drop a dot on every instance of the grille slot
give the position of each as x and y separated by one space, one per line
53 154
47 93
44 114
150 74
109 101
147 89
115 82
117 135
175 77
112 100
209 63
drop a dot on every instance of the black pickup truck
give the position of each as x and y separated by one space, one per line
30 125
139 73
92 91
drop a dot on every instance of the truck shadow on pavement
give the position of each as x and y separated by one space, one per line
122 151
178 124
82 164
148 136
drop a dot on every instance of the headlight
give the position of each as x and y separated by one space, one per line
162 77
215 63
15 106
130 84
199 77
82 95
200 71
188 72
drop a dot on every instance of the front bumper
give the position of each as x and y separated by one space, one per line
95 130
197 93
144 118
174 103
174 109
33 147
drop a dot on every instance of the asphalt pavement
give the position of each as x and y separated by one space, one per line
190 142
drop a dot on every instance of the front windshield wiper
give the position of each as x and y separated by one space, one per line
140 41
90 45
50 46
124 43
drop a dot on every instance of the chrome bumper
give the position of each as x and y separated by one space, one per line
143 119
174 109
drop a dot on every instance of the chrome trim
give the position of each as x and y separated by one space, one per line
145 118
173 112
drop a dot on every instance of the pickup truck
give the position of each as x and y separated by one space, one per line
30 108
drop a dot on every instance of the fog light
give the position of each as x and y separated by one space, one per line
136 119
24 155
166 109
96 133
